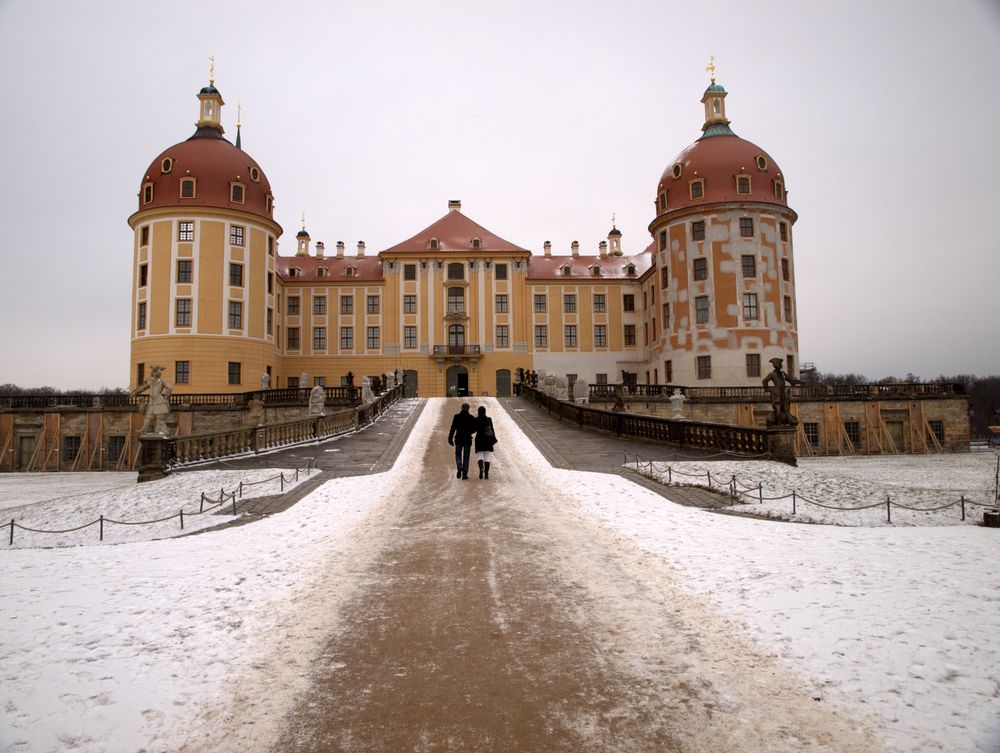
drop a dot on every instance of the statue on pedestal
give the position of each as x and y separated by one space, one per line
157 404
265 381
317 401
677 399
255 410
777 383
367 396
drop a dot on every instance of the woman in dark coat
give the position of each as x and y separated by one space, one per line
485 439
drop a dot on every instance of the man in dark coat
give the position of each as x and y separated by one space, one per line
463 426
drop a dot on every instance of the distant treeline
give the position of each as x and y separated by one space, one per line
13 389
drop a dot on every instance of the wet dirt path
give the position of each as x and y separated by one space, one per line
492 619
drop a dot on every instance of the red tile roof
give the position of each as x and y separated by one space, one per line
454 232
366 269
582 267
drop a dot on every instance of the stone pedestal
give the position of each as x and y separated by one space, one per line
781 443
155 454
991 518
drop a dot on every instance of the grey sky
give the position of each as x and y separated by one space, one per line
543 118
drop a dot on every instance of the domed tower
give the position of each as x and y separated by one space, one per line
204 289
725 291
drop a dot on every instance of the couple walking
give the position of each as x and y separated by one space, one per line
463 426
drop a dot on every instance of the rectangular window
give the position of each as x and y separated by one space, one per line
319 381
293 305
630 335
668 371
783 230
600 303
235 315
372 304
409 271
184 270
569 303
704 367
236 275
541 336
293 381
501 303
234 372
746 227
182 313
662 238
270 245
853 431
319 305
664 277
628 302
937 430
347 338
292 338
750 307
236 235
701 309
319 338
540 303
270 283
116 446
697 189
749 263
503 336
698 230
753 364
143 275
270 321
185 230
501 273
182 372
70 449
409 337
784 270
144 236
742 185
456 300
788 309
601 378
600 335
666 316
812 432
570 335
347 304
409 304
373 338
701 268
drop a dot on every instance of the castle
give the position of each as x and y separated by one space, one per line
457 308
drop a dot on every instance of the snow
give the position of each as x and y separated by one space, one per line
179 644
860 484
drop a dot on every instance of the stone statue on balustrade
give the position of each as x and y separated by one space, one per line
317 401
390 379
367 396
157 403
619 404
677 399
265 381
778 383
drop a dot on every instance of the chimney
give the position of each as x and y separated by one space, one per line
548 248
361 249
603 248
320 250
454 205
340 249
575 248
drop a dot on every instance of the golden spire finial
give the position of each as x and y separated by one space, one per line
303 220
211 70
239 109
710 68
613 218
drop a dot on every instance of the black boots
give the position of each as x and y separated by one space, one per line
486 470
480 468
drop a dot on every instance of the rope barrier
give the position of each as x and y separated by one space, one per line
756 492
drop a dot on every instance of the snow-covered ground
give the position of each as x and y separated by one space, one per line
61 501
935 484
165 645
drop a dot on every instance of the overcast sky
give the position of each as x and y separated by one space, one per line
543 118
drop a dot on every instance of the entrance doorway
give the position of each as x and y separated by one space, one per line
25 449
457 381
409 383
503 382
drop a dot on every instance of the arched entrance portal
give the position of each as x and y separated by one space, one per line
409 383
503 382
457 381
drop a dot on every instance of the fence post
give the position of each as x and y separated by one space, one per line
963 507
793 501
709 474
234 504
888 510
282 476
201 507
760 491
241 490
670 475
182 518
102 528
296 474
11 542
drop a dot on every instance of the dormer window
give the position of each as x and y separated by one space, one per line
350 272
663 201
779 190
188 188
697 188
596 270
676 170
476 243
567 270
630 270
321 272
255 174
236 193
147 193
167 165
293 272
434 244
761 162
743 184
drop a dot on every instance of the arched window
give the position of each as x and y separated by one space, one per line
188 188
434 243
456 338
456 299
147 193
743 184
456 271
236 193
321 272
567 270
630 270
476 243
779 190
697 188
597 271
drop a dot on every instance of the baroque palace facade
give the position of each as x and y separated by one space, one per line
456 307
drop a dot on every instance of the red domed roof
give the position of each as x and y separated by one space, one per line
721 161
216 165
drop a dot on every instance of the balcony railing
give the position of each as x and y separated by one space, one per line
456 350
605 393
287 395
